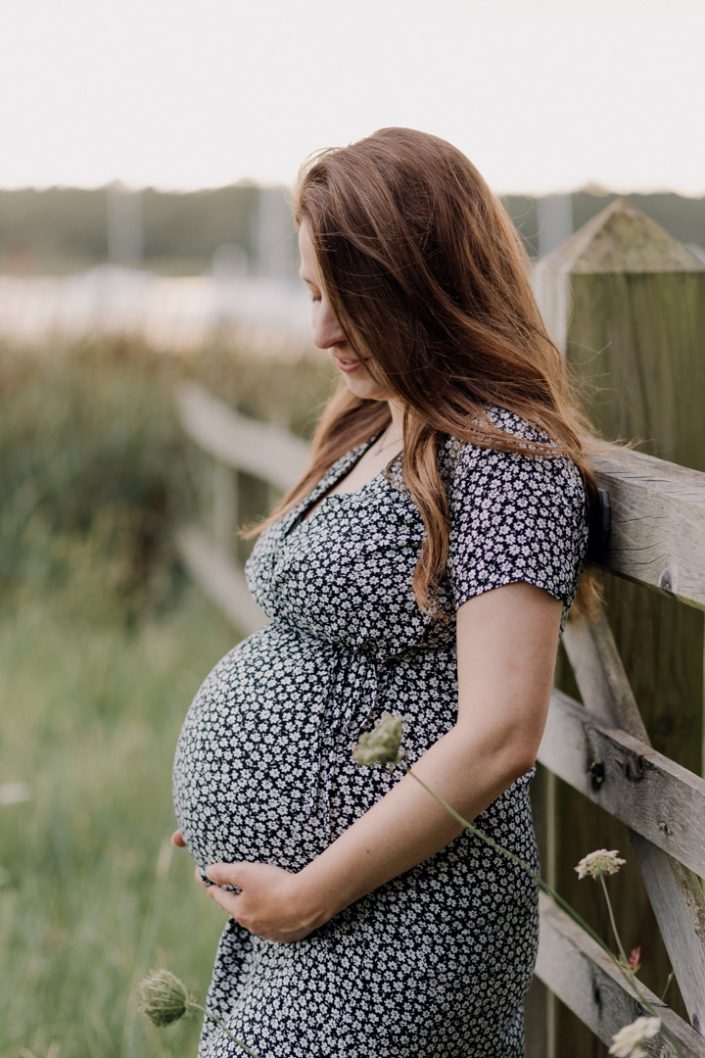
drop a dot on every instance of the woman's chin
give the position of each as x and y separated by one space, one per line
366 387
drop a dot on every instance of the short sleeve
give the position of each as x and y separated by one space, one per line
515 517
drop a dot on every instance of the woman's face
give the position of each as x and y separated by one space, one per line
327 332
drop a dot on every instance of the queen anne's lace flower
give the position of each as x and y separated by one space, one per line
626 1043
599 862
382 745
164 998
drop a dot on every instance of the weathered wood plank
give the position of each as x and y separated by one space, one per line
653 795
676 895
658 523
626 305
604 687
220 579
583 977
679 905
264 450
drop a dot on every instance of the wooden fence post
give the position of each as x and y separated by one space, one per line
225 506
626 304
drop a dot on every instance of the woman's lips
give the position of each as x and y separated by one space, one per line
347 365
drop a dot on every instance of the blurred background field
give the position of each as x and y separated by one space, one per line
103 643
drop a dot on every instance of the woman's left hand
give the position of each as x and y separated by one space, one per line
273 903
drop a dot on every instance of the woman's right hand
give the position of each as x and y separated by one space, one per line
177 838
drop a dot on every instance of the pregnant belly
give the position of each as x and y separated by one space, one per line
247 757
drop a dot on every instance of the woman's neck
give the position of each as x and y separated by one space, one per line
396 427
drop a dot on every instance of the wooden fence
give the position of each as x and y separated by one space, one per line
596 760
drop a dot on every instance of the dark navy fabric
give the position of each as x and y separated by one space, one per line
435 963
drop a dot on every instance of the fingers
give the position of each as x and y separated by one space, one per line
199 879
177 839
215 872
223 873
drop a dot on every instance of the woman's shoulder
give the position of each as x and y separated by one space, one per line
478 469
515 516
510 422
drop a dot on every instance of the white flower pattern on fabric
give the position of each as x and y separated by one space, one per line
436 962
515 517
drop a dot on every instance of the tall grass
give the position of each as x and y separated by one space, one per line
90 449
103 643
91 893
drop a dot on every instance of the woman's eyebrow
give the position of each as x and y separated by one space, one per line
306 279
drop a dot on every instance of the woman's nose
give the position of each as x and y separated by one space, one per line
326 329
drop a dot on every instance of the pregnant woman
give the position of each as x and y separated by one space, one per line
424 564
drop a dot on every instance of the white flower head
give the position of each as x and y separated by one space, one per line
626 1043
599 862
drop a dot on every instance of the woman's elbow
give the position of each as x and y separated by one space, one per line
510 752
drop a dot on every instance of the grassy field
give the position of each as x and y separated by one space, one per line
92 893
103 643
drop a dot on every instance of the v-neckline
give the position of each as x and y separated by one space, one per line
335 473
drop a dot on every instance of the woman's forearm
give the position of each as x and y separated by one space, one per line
407 825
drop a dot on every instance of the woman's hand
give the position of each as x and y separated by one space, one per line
272 903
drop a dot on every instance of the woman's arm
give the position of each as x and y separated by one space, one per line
507 642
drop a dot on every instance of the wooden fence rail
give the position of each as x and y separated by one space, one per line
598 746
237 443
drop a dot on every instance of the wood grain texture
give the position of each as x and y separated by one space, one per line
657 536
629 779
625 303
586 980
676 896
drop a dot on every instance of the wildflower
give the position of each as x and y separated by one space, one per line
382 744
626 1043
634 959
599 863
164 998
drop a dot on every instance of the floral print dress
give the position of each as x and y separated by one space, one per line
436 962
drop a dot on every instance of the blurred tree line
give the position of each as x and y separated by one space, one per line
60 229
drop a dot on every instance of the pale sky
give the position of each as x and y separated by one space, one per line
542 96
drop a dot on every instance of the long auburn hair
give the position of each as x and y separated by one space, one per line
428 278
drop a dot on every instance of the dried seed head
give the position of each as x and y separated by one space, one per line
163 997
382 745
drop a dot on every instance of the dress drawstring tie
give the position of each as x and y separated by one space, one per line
355 685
